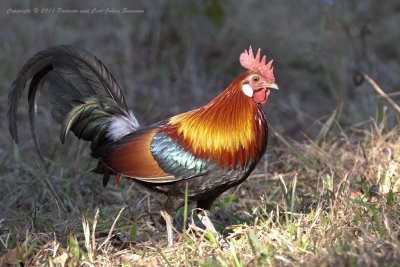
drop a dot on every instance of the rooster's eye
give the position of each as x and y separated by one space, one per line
256 79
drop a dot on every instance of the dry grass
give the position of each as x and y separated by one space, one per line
333 201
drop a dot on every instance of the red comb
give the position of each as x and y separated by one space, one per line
250 62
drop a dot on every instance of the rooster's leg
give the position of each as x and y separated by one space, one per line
204 216
169 220
171 206
170 232
204 213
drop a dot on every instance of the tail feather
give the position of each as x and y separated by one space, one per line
85 97
33 107
34 65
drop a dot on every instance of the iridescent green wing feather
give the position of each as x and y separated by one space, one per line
174 160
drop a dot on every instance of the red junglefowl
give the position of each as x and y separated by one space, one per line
207 150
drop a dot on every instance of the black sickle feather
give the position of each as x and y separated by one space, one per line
76 80
31 67
33 105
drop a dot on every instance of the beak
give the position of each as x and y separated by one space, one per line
272 86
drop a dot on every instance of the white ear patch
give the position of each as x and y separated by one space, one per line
247 90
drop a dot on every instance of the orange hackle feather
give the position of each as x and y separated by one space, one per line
230 130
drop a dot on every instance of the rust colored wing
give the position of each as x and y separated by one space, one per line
133 158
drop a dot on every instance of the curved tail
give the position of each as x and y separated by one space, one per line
85 97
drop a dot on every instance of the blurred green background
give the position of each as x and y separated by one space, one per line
174 56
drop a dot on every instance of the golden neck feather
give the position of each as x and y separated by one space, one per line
231 129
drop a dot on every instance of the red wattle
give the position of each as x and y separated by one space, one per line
261 95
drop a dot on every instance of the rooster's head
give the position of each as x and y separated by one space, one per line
260 76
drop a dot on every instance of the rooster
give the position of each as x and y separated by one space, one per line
203 152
